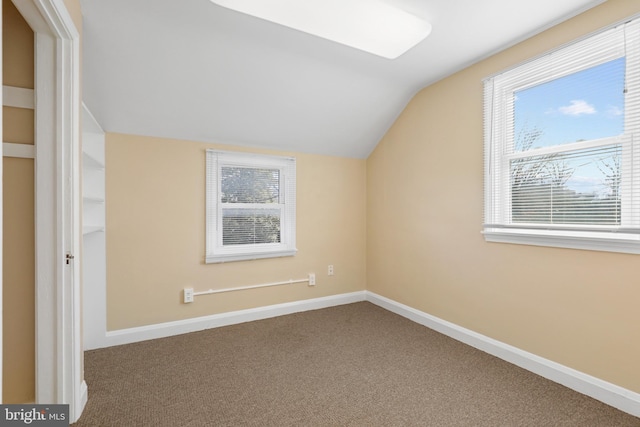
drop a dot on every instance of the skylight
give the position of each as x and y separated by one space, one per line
373 26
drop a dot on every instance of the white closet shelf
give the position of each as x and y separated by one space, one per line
88 229
92 199
91 162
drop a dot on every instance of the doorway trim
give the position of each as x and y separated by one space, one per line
1 215
59 357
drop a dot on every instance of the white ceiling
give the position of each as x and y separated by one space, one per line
189 69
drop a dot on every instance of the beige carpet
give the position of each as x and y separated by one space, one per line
353 365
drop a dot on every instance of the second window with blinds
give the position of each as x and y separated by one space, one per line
562 146
251 203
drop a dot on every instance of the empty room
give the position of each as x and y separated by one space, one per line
321 213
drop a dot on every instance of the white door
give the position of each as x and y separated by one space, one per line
59 377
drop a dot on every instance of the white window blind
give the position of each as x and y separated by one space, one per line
562 146
250 206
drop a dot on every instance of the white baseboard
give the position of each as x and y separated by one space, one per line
161 330
81 403
611 394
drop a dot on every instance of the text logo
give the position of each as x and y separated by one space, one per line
34 415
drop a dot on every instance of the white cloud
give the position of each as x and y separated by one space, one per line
577 108
613 111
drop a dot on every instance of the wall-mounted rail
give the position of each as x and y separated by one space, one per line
189 293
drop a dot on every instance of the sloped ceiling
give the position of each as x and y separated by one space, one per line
192 70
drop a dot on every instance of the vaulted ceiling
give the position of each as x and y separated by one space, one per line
189 69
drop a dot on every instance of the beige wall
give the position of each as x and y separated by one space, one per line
73 7
424 247
155 191
17 48
18 288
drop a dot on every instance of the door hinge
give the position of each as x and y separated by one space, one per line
69 257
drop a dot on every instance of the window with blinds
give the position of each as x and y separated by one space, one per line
562 146
250 206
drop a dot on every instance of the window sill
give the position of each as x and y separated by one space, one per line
593 241
215 259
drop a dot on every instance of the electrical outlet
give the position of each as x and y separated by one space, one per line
330 270
188 295
312 279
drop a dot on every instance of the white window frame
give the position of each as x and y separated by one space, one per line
216 252
609 44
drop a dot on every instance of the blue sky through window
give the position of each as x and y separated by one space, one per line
582 106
